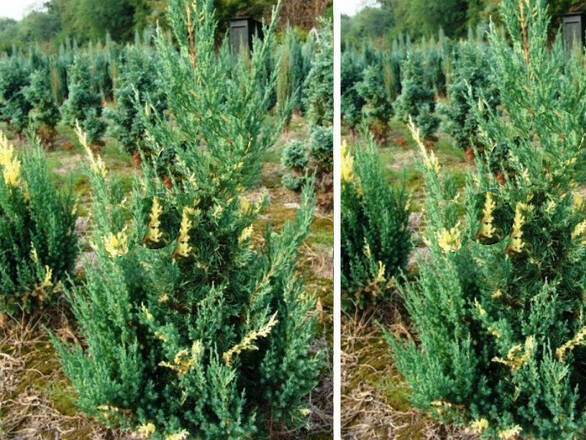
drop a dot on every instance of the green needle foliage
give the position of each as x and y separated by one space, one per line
377 109
501 328
315 158
320 149
319 99
433 66
296 158
375 239
351 73
100 72
310 160
14 77
291 74
84 104
38 246
417 99
44 114
138 84
191 327
471 81
392 73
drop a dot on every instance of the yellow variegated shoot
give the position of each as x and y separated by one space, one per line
154 234
347 163
487 229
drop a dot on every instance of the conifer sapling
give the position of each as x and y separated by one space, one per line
84 104
375 240
499 327
38 245
44 114
192 328
417 99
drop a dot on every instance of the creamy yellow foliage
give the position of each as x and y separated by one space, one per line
11 173
161 336
245 234
432 162
244 204
479 307
34 254
449 239
493 331
185 360
218 209
441 405
154 234
517 244
429 158
183 247
487 229
248 342
116 245
579 230
511 433
479 426
106 408
579 339
147 314
182 435
347 163
9 162
47 281
109 410
6 150
97 165
518 355
577 200
380 276
366 250
147 430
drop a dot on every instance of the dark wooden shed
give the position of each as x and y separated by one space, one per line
242 33
573 29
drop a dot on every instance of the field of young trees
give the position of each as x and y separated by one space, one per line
166 233
462 232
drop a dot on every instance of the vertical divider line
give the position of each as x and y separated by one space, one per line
337 227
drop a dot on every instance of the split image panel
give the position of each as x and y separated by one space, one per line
462 249
306 219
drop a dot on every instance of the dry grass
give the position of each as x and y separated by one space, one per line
36 399
375 402
35 396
